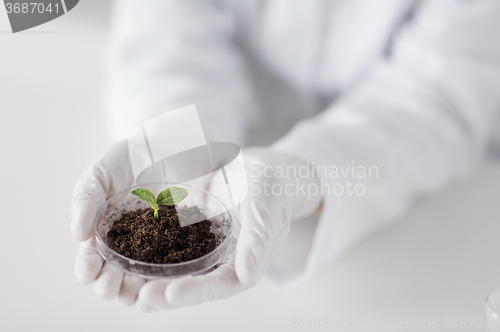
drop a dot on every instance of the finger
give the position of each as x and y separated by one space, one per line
130 289
255 242
219 284
88 196
152 295
109 282
88 262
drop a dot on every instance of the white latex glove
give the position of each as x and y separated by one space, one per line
262 222
105 178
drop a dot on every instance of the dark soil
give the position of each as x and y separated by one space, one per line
138 235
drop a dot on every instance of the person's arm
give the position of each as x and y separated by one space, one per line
422 117
166 54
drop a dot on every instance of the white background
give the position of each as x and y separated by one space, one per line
440 262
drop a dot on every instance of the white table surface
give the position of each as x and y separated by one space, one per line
438 262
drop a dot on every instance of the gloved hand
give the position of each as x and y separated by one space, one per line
105 178
261 223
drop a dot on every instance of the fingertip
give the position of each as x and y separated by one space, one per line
152 294
130 290
108 284
87 269
105 291
126 302
177 293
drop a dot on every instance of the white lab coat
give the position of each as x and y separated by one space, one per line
411 87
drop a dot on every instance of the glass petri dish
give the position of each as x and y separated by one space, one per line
492 308
124 201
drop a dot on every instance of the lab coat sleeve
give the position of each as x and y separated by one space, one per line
166 54
417 121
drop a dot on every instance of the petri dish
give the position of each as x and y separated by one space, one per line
124 201
492 308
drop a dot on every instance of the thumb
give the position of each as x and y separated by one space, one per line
255 245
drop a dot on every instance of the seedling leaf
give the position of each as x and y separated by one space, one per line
169 196
146 195
172 195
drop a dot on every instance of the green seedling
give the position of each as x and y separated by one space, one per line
170 196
